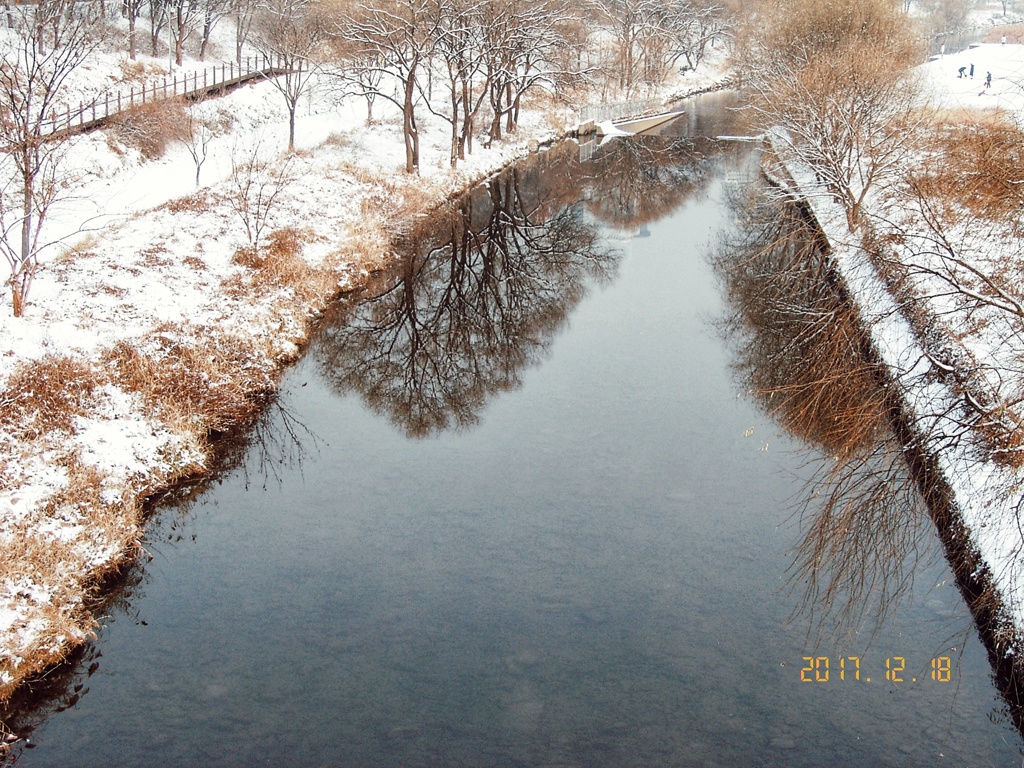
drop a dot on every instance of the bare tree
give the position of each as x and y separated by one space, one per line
522 40
393 38
367 76
183 16
291 34
212 11
624 18
256 185
936 245
692 29
945 16
244 12
838 77
458 46
651 35
131 10
51 19
32 85
198 132
159 15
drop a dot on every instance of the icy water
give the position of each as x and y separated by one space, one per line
519 507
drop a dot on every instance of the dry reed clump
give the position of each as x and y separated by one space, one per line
362 175
1014 33
978 164
45 396
190 386
337 139
55 570
84 247
278 263
365 247
151 128
195 263
396 201
155 256
63 624
82 497
198 202
1001 432
137 71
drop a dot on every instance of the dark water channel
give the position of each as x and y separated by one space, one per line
536 500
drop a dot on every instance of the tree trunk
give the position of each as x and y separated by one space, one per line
154 35
18 277
509 124
466 139
179 42
207 29
409 124
16 300
292 104
455 126
238 38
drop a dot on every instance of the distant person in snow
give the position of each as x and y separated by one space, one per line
972 71
988 79
960 72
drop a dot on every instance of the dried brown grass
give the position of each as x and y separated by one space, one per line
1014 34
978 164
189 387
137 71
337 139
1001 433
198 202
278 264
151 128
85 246
45 396
397 201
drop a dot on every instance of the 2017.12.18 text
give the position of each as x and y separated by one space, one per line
825 669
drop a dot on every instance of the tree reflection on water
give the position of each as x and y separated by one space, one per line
801 352
485 284
870 499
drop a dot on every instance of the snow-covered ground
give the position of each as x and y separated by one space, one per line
1004 62
153 290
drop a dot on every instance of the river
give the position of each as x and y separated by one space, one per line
597 476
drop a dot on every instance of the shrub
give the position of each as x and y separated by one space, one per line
978 164
150 128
